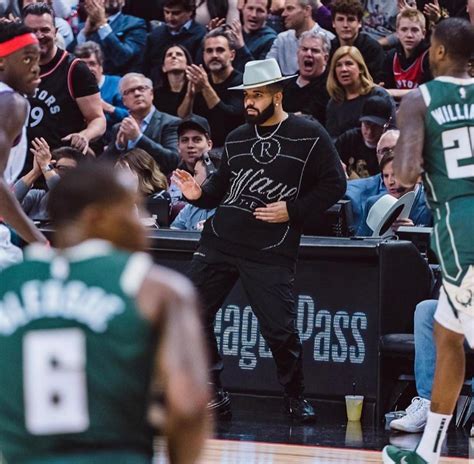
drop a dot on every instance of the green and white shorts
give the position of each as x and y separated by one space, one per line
455 310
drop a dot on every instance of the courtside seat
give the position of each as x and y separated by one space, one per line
398 351
402 344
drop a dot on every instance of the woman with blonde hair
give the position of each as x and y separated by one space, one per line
150 179
349 85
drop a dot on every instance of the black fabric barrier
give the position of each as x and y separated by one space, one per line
349 292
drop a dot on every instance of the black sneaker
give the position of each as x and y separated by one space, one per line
219 405
299 410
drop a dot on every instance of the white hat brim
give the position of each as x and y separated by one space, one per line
382 227
261 84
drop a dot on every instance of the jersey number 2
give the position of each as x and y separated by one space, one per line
458 145
55 387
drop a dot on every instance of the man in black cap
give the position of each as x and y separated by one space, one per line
357 147
194 139
194 143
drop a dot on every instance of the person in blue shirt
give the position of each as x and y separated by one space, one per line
360 190
192 217
420 214
121 37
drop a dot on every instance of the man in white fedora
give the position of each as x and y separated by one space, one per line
277 170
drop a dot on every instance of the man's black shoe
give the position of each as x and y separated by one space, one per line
219 405
299 409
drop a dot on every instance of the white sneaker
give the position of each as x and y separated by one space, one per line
415 419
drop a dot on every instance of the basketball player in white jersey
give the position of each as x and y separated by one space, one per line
19 74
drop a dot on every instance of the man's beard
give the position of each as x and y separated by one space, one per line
215 66
112 8
262 116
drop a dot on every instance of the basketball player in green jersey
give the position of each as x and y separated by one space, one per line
437 139
84 328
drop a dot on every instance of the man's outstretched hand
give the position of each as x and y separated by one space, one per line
187 184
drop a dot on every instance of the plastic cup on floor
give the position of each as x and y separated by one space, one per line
354 407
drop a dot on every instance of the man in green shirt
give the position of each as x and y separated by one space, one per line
85 327
437 139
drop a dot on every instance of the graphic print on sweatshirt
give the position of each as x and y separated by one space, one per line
263 171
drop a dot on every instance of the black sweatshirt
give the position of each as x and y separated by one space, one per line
298 164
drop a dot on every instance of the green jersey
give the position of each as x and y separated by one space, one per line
76 356
449 171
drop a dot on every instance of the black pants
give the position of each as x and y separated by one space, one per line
269 290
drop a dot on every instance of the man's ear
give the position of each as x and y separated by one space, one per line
278 97
441 51
2 64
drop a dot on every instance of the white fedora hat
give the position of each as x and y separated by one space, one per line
386 210
259 73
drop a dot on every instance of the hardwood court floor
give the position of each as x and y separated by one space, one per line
260 434
234 452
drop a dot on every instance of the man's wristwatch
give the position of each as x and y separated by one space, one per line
48 168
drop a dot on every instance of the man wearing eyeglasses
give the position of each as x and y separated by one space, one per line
145 127
360 190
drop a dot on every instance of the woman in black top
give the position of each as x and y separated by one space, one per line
349 85
170 93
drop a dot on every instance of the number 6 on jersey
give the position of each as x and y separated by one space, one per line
54 381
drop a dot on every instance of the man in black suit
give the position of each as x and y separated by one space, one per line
121 37
146 127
